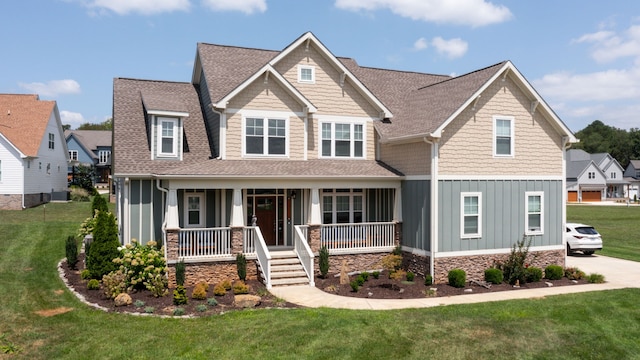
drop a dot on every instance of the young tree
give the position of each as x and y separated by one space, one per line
104 247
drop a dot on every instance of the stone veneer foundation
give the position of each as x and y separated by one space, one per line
212 272
354 262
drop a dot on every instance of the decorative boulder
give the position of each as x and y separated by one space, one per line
246 301
123 300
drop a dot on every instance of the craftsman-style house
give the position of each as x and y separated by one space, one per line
275 154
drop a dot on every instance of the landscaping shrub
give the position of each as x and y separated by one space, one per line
354 285
457 278
573 273
114 284
219 290
212 302
200 291
376 274
397 250
534 274
410 276
391 262
494 276
365 275
227 284
241 264
360 280
239 287
595 278
428 279
138 303
180 295
323 262
85 274
144 266
149 309
93 284
79 194
201 308
180 272
99 203
514 267
398 275
71 249
553 272
87 226
178 311
104 247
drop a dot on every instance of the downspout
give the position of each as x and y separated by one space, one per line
219 132
565 146
164 218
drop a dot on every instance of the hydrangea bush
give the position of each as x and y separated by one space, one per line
144 267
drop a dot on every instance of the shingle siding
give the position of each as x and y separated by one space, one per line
410 159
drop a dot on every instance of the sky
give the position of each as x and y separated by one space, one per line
582 56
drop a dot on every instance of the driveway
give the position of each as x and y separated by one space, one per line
617 273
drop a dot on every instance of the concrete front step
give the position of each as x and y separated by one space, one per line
283 254
287 261
290 281
282 268
288 274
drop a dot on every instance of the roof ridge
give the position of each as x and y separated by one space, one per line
152 80
237 47
465 75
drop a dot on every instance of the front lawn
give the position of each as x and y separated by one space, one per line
597 325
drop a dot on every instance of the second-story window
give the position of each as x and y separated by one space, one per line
73 155
52 143
167 136
265 136
503 142
104 156
342 140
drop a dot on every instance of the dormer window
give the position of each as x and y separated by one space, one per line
167 137
306 74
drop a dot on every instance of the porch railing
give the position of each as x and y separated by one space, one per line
209 242
248 241
262 254
302 249
361 236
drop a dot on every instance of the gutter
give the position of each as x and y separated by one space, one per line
434 141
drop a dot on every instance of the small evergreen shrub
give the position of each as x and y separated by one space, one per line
179 295
85 274
180 272
241 264
398 275
138 303
99 203
227 284
391 262
178 311
114 284
219 290
200 291
360 280
428 279
494 276
201 308
93 284
71 249
212 302
323 262
573 273
410 276
553 272
376 274
365 275
239 287
595 278
534 274
457 278
354 285
104 247
397 250
149 309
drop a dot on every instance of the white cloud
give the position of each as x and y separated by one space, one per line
420 44
246 6
597 86
609 46
52 88
453 48
71 118
145 7
459 12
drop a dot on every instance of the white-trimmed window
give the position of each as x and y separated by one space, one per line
342 140
471 214
342 206
52 142
104 156
306 74
194 209
592 175
503 138
73 155
534 218
265 136
168 133
613 175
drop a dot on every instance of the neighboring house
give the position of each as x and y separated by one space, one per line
632 175
594 177
33 154
90 148
318 151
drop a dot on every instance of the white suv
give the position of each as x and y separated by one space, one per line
580 237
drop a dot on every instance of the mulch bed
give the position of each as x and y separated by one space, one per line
385 288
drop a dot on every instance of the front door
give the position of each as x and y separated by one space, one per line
265 211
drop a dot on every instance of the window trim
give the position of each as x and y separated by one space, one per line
512 147
265 135
176 134
71 155
313 74
202 217
528 231
351 194
352 141
52 141
477 234
107 153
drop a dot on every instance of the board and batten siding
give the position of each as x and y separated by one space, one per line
503 213
466 146
416 214
145 211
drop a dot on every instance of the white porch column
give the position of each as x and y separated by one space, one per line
397 206
315 216
172 217
237 216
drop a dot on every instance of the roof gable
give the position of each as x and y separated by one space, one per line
22 114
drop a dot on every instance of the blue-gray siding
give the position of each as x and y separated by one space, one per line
416 209
503 213
145 211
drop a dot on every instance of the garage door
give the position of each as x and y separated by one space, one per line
572 196
591 196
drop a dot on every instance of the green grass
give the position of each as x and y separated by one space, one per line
597 325
618 226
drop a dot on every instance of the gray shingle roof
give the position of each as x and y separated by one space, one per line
90 139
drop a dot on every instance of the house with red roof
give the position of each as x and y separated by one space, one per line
276 154
33 152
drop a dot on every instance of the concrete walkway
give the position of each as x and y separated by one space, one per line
618 274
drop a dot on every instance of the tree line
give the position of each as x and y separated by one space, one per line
621 144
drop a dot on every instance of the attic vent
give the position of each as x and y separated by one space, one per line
9 112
